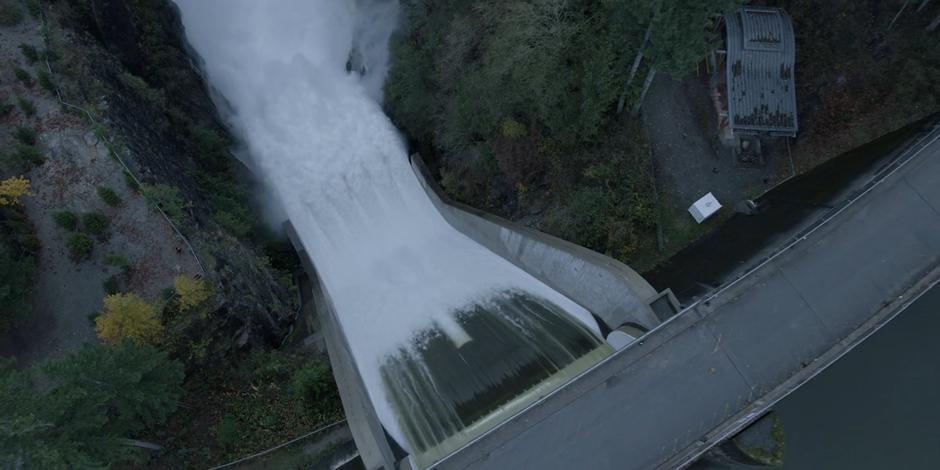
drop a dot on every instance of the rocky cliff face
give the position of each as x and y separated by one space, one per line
129 59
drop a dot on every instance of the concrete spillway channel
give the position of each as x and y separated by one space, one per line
613 292
701 376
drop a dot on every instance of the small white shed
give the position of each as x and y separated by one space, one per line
704 207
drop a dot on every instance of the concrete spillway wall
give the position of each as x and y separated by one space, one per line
361 417
609 289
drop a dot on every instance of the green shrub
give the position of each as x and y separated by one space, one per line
65 219
131 182
109 196
229 431
92 318
26 106
23 76
142 89
6 108
313 384
168 199
49 54
117 261
271 365
46 81
95 223
30 52
25 134
231 223
34 8
10 13
80 245
18 247
27 155
111 286
167 294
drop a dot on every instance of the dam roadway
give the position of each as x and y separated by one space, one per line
711 370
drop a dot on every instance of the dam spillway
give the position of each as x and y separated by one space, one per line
445 336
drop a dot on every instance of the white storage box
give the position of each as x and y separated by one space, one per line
704 207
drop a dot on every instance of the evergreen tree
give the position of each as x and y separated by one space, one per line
98 396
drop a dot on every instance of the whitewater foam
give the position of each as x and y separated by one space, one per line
317 134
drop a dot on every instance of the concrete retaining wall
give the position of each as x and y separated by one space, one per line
361 417
609 289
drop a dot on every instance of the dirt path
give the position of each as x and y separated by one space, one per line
688 161
76 163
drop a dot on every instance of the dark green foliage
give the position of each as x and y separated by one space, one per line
6 108
10 13
463 69
152 96
25 134
314 385
26 106
169 200
95 398
117 261
18 248
131 182
612 209
80 245
527 78
46 81
209 148
66 219
111 285
92 317
34 8
228 431
683 31
515 101
30 52
168 293
227 199
95 223
109 196
27 155
23 76
49 54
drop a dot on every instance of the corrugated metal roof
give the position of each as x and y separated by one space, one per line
760 71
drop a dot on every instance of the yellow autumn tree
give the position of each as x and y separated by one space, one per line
128 316
192 292
11 189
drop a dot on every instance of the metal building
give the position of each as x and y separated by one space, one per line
761 89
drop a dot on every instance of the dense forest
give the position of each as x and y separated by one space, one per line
515 103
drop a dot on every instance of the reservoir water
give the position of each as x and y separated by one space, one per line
877 408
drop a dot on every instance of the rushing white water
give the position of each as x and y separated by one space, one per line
392 266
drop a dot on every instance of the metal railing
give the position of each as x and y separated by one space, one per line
110 145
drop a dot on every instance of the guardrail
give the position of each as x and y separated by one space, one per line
110 146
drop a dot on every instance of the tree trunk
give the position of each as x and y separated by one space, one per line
636 66
933 24
142 444
898 15
646 87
